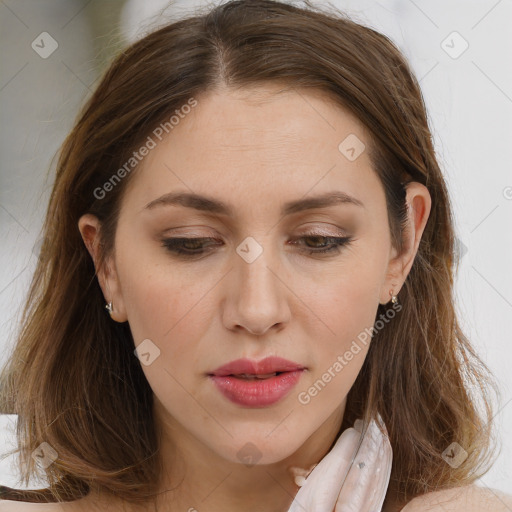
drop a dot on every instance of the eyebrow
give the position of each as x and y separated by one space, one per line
215 206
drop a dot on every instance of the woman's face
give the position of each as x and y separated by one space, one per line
258 289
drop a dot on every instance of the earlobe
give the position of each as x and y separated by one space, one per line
114 302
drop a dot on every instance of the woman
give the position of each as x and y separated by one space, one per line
254 195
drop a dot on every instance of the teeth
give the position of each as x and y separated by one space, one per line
252 377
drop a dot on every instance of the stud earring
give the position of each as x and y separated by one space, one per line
394 298
109 308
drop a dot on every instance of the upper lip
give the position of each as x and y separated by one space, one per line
247 366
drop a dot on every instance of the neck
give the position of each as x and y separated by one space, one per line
196 477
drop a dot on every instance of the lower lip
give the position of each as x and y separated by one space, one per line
256 392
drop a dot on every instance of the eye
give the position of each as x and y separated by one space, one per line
332 244
189 247
186 246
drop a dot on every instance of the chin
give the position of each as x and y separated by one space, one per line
260 449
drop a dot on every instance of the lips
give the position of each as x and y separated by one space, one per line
266 368
257 384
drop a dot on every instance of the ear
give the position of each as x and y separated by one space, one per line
418 210
89 227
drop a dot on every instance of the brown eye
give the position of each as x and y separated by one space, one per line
187 246
325 244
314 244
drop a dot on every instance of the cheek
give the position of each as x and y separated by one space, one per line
164 306
159 300
347 310
346 302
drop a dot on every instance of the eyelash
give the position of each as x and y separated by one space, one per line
175 245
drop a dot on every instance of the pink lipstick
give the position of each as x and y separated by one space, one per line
257 383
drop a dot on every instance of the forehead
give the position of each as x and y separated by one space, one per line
263 140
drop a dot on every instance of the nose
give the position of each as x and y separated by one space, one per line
257 298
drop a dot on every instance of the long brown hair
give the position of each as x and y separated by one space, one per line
73 379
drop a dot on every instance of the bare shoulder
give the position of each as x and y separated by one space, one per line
471 498
92 502
23 506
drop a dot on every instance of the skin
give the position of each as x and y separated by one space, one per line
253 149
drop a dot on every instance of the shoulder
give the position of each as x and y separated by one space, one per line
471 498
91 502
23 506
